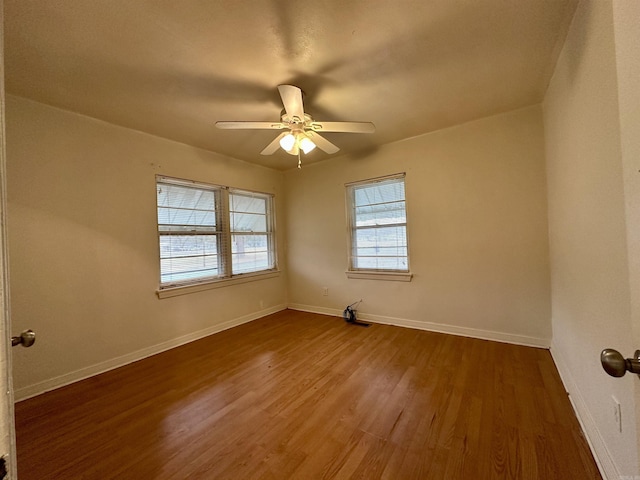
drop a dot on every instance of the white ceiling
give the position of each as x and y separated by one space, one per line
174 68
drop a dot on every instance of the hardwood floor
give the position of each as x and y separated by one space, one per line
304 396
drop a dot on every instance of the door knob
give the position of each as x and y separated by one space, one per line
616 365
26 339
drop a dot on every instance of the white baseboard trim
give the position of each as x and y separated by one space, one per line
83 373
598 447
311 309
433 327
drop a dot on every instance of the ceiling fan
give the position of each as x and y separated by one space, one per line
302 131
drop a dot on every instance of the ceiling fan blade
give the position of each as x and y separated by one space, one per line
292 101
322 143
273 146
347 127
250 125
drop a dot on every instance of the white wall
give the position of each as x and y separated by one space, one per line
627 38
587 225
476 200
84 249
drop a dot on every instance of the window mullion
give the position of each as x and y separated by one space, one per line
352 227
224 243
270 229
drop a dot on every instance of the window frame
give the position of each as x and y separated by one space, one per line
373 273
269 231
224 237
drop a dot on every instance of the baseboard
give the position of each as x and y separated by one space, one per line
312 309
598 447
433 327
83 373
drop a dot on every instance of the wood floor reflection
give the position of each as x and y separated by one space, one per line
303 396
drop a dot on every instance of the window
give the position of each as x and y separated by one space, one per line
209 232
378 229
251 238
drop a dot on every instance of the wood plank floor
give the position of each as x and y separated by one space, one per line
304 396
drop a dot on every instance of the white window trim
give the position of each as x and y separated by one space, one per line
371 274
196 285
176 290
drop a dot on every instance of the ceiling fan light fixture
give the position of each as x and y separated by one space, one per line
306 144
295 150
292 143
287 142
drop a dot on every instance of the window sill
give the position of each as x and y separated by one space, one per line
176 290
372 275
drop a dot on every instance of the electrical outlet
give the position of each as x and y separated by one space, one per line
325 291
617 412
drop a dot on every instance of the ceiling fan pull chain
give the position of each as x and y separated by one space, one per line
299 161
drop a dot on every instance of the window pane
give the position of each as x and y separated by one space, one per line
379 192
379 233
173 219
249 213
186 208
381 237
187 245
248 222
381 263
250 253
183 208
247 203
188 257
400 251
381 214
186 198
